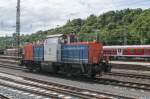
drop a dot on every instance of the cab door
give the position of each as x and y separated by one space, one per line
51 48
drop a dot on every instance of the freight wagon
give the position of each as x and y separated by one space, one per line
11 52
76 58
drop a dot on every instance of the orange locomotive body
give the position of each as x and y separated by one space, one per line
28 52
95 52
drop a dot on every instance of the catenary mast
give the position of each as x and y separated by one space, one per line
18 26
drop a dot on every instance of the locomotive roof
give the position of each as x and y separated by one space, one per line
12 49
127 46
56 35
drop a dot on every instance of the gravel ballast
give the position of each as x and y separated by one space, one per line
86 85
18 94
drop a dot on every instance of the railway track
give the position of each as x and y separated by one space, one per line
107 81
130 75
9 57
126 84
53 90
3 97
14 67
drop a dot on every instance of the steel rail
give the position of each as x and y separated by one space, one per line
47 88
128 84
65 89
130 75
12 67
3 97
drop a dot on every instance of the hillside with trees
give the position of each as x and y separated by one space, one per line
128 26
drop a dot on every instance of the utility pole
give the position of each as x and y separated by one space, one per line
125 35
141 35
97 36
18 26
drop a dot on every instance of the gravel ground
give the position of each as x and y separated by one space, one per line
121 78
17 94
130 67
132 71
144 81
140 94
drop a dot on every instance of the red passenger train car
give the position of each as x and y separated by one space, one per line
135 52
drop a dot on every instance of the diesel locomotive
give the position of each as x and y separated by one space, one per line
58 55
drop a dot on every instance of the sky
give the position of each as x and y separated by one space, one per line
46 14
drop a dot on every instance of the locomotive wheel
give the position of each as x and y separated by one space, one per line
30 69
109 68
38 69
55 69
68 70
91 73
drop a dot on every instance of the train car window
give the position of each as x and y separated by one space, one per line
132 51
106 51
125 51
110 51
114 51
139 51
146 51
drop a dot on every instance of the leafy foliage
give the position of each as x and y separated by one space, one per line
112 28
